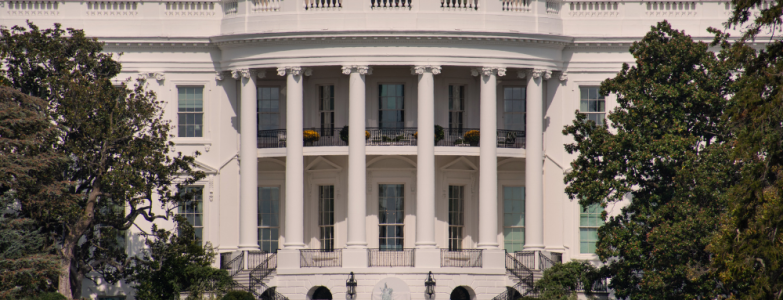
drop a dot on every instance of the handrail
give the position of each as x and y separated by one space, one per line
235 265
544 262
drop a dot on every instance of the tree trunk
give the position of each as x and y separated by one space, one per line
64 280
76 284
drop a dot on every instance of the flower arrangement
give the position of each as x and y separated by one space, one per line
311 136
472 137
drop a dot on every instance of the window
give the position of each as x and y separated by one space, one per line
191 111
391 113
268 107
391 213
268 218
326 216
193 210
514 108
513 218
326 108
456 216
589 221
456 108
592 104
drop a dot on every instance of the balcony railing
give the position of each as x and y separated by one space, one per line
391 136
465 258
527 258
320 258
256 258
391 258
464 137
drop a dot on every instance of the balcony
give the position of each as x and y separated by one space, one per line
463 258
317 258
391 258
465 137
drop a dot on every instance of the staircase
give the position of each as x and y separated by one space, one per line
251 279
521 267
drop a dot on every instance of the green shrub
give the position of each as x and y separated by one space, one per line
238 295
52 296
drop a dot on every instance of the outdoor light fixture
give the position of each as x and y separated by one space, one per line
350 284
429 284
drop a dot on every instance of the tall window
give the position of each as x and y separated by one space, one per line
268 107
514 218
592 104
391 214
326 108
589 221
191 111
456 108
456 216
326 216
391 113
193 210
514 108
268 218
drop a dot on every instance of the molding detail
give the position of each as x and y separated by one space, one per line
547 74
296 71
241 73
235 74
261 74
563 76
142 76
362 70
160 76
486 71
418 70
219 76
536 73
521 74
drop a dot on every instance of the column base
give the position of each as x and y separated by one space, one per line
535 247
427 258
288 259
355 258
494 259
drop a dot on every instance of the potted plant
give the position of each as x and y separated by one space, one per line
344 134
311 136
439 134
472 137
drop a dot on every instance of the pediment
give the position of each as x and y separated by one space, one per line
271 165
460 164
512 165
203 167
322 164
391 162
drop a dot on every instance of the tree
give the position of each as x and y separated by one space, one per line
667 151
749 247
119 159
561 281
175 263
27 261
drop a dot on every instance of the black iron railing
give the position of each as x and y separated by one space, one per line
464 258
527 258
389 258
325 137
511 138
274 138
525 285
544 262
599 286
265 267
234 265
225 257
456 137
320 258
391 136
256 258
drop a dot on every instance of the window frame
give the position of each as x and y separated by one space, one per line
199 229
595 116
583 212
326 244
399 213
259 219
401 111
201 113
461 112
280 104
456 243
502 107
503 209
326 130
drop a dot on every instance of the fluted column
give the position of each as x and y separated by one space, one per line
357 163
534 161
425 162
294 161
488 168
248 163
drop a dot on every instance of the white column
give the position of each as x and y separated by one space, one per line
488 168
357 163
425 162
534 162
294 161
248 162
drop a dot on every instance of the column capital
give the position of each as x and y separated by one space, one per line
242 73
219 76
563 76
538 73
361 69
418 70
486 71
294 70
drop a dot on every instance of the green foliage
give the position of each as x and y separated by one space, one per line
667 151
561 281
439 134
115 140
52 296
238 295
749 247
176 263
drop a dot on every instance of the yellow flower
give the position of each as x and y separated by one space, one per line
311 136
366 135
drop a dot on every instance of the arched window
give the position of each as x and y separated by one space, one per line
322 293
459 293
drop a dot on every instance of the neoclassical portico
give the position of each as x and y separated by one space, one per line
425 193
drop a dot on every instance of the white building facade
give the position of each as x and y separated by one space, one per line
317 123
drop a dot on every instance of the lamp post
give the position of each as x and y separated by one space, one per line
429 285
350 285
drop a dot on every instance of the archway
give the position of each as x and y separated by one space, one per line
459 293
268 294
322 293
513 293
